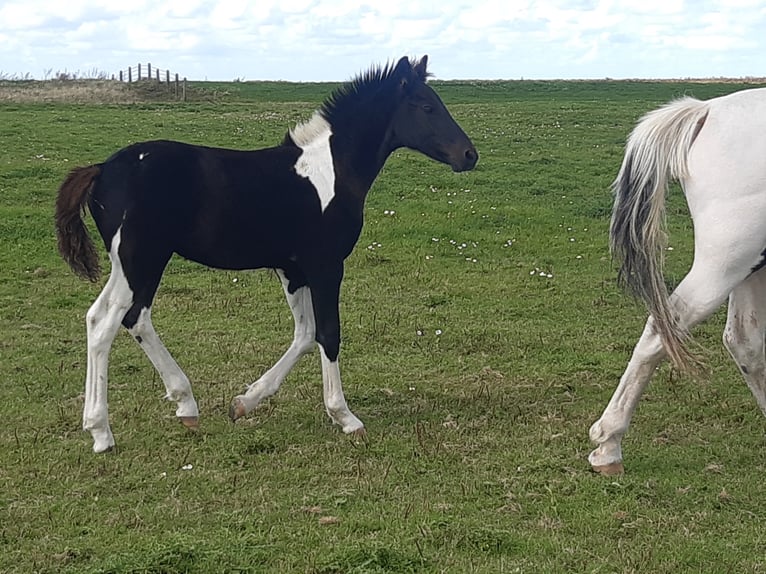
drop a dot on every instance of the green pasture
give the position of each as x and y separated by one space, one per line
482 334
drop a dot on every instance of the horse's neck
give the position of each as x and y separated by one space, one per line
360 156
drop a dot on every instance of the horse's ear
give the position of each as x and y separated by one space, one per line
403 71
420 68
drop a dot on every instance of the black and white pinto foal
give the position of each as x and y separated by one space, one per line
296 208
717 150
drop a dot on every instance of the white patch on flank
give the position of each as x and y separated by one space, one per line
315 163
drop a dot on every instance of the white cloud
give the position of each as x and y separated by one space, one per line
334 39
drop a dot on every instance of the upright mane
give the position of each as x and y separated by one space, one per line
357 89
377 85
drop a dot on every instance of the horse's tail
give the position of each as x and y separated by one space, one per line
657 150
74 242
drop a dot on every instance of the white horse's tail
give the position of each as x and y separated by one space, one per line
656 151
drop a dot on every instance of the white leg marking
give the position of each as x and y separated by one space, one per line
744 333
102 322
303 342
334 401
315 163
176 382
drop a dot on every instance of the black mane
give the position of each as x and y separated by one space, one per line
373 83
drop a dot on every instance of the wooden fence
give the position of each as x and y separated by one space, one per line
149 73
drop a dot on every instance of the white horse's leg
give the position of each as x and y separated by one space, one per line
700 293
334 399
744 333
102 322
176 382
303 342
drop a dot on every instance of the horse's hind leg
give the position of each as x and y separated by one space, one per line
299 299
146 272
102 323
699 294
177 386
744 333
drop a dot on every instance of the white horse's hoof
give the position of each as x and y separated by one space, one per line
611 469
103 441
237 409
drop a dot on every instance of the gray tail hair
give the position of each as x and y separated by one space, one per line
656 152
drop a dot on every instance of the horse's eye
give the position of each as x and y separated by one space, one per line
427 108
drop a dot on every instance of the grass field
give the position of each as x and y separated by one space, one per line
482 335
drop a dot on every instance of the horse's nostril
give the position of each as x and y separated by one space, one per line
470 154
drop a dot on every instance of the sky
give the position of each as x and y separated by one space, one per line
333 40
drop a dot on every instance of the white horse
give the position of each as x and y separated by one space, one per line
716 149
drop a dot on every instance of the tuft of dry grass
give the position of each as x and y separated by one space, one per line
75 91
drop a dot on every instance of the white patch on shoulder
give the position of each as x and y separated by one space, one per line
315 163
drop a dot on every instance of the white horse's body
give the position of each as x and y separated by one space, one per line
717 151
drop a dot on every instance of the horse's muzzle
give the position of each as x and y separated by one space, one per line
468 160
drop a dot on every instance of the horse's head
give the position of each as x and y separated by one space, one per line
423 123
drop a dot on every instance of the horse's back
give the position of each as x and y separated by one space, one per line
211 205
730 149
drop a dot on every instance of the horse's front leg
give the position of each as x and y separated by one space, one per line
325 296
299 299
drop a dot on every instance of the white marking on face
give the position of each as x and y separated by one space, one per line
142 155
315 163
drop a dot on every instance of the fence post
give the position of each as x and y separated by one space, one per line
130 75
148 71
139 72
184 90
176 86
158 76
167 77
120 75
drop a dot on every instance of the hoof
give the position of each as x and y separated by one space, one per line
103 441
236 410
359 433
191 423
611 469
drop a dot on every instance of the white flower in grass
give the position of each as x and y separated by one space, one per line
419 333
187 467
438 332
